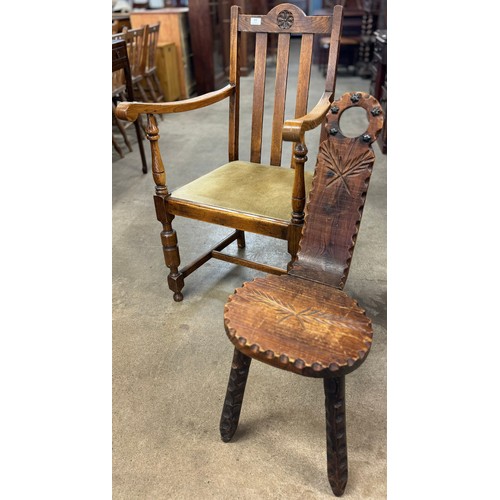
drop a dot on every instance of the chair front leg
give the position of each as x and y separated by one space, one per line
172 258
241 239
168 235
336 443
234 395
294 234
298 200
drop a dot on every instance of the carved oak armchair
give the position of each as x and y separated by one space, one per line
229 195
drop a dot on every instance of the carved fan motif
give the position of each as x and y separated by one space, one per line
340 168
285 19
287 311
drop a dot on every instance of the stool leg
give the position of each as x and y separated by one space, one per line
234 395
336 444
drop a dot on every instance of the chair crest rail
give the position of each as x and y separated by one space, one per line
286 18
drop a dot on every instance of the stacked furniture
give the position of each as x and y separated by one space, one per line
123 88
174 28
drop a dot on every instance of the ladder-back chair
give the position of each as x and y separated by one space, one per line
137 48
303 322
266 199
122 87
151 81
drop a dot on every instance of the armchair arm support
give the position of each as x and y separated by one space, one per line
293 130
131 110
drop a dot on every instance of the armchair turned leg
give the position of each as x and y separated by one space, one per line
234 395
172 259
294 234
299 159
336 443
241 239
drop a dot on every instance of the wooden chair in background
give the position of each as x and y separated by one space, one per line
303 322
248 196
150 76
118 90
137 49
122 88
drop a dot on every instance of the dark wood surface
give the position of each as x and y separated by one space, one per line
336 434
234 395
361 19
338 195
202 43
234 79
378 86
120 61
120 20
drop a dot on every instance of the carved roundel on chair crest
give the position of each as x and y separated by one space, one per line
285 19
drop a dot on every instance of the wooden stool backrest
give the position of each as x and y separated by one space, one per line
284 20
337 197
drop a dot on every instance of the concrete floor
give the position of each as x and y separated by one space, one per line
171 360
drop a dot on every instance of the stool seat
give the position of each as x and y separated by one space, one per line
298 325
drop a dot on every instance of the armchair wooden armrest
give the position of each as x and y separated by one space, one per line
131 110
293 130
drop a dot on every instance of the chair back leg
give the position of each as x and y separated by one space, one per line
234 395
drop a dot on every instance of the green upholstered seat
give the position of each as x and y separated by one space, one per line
269 194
